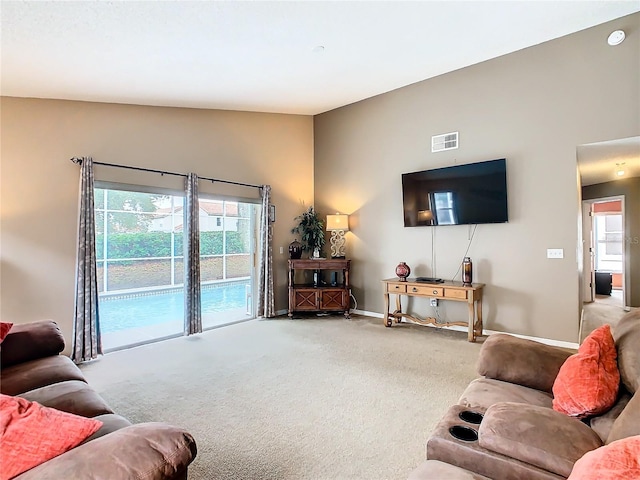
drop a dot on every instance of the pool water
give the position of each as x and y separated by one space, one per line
118 314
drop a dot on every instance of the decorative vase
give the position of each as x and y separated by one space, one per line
467 271
316 252
403 271
295 250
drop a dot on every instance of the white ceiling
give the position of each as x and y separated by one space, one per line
262 55
598 162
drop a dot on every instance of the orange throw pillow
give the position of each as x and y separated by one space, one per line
587 383
619 460
4 329
31 434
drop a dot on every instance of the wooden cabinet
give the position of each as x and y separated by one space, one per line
319 295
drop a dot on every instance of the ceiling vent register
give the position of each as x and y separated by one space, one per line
446 141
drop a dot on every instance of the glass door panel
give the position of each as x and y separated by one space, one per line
140 276
226 266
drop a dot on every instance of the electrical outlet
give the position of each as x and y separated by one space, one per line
555 253
433 302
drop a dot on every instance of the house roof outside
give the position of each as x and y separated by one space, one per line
302 57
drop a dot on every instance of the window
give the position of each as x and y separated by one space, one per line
609 242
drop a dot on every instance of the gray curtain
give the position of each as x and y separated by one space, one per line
192 306
265 284
86 341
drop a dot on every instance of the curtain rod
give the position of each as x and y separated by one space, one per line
78 161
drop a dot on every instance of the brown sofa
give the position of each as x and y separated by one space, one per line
512 432
32 368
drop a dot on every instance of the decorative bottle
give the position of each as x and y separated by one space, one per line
467 271
403 271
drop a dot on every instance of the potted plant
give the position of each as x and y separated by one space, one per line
310 228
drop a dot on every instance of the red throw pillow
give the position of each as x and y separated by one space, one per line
4 329
587 383
619 460
31 434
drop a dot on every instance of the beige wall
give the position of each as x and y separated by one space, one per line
40 184
533 107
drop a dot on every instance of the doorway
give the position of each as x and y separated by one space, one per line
604 262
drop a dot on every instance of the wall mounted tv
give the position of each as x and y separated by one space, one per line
459 195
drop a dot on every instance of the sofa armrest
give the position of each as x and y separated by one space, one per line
31 341
524 362
536 435
145 451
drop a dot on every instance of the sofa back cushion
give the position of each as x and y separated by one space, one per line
520 361
31 341
628 422
626 334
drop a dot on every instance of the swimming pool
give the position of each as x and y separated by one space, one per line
125 312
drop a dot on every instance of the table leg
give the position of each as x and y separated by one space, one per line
479 327
387 321
471 335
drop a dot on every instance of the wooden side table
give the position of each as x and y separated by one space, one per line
454 291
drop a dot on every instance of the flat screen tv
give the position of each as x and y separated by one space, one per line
459 195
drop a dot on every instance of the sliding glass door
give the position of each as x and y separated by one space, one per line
139 238
226 261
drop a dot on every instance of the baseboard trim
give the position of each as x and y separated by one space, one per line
546 341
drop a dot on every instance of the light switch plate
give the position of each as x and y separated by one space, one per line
555 253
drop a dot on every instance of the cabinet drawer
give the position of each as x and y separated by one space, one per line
455 293
425 290
397 288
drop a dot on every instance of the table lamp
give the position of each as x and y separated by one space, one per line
337 224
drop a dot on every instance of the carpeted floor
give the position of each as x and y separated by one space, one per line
596 314
315 398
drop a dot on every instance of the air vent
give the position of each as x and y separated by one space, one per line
446 141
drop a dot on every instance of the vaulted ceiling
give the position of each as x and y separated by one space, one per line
302 57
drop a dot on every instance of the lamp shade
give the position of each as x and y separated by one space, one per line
339 221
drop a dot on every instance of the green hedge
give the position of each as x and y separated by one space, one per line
158 244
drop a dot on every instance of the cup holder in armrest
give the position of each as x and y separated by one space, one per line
471 417
465 434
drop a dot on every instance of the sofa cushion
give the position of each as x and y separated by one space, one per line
536 435
144 451
628 422
602 424
619 460
626 333
31 434
72 396
484 392
30 341
4 329
38 373
110 423
521 361
588 381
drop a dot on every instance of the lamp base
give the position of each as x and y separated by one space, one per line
337 244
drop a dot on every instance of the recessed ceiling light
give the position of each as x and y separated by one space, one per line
318 49
616 38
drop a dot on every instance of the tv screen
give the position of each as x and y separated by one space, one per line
459 195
